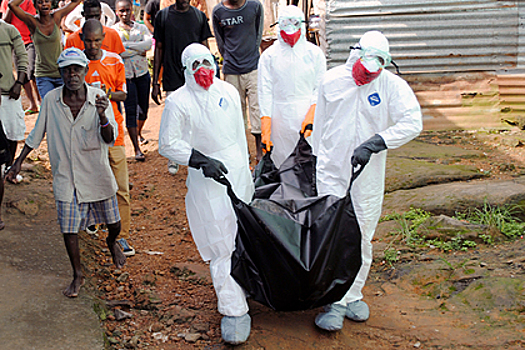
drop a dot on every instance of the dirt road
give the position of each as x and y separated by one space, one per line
167 289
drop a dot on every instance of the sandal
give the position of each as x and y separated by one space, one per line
140 157
143 141
30 111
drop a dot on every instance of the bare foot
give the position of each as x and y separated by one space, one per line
119 259
74 287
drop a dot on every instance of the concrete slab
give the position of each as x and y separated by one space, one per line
402 173
457 196
34 269
421 150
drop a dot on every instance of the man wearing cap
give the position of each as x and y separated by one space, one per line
362 110
80 127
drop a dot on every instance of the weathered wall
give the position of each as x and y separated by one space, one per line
470 100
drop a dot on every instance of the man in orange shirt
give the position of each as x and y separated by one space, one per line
106 71
92 9
111 42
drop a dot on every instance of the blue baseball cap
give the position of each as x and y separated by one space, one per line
71 56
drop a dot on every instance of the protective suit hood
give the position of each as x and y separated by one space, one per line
190 54
374 39
292 11
370 41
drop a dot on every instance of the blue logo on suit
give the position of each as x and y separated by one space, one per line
374 99
223 103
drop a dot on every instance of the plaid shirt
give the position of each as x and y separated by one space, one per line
136 42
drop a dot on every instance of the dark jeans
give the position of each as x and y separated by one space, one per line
137 102
46 84
217 68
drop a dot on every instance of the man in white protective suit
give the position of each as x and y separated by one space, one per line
290 72
362 110
202 126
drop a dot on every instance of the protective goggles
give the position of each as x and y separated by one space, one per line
381 58
290 24
203 62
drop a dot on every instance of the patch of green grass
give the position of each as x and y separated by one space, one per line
410 226
461 265
487 239
501 217
409 222
408 232
455 243
100 310
391 256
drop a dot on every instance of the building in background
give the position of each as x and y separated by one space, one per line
464 59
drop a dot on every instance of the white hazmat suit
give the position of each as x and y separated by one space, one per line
289 78
348 115
210 121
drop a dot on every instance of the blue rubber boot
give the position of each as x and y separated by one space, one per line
357 311
235 330
332 318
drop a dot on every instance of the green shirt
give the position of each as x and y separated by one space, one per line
47 48
10 40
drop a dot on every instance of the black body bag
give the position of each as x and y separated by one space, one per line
295 250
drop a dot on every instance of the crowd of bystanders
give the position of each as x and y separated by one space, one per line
91 57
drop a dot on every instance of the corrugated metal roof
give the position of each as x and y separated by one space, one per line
431 35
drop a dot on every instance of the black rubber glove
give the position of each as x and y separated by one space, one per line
210 167
364 151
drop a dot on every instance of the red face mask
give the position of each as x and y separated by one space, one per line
362 75
291 39
204 77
